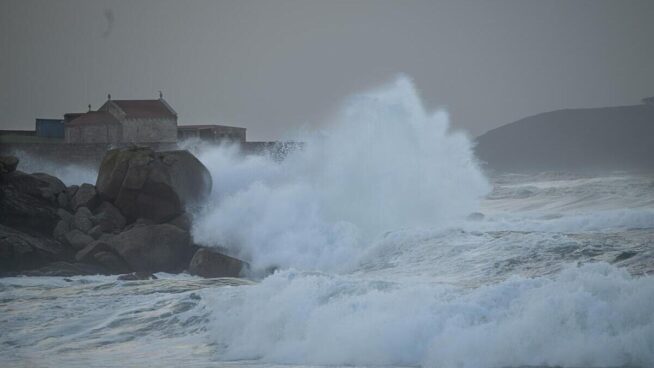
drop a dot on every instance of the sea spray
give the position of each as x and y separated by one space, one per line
595 315
383 163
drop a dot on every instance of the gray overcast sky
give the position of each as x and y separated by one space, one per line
273 66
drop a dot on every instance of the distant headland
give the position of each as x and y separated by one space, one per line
591 139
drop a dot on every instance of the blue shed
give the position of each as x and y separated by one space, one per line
50 128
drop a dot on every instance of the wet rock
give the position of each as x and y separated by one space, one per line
24 208
62 200
153 248
71 190
82 219
65 215
8 164
52 187
85 196
624 256
476 216
77 239
20 251
137 276
142 183
60 230
111 262
208 263
66 269
96 232
88 252
109 218
182 221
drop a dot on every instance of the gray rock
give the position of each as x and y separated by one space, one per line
66 269
53 186
96 232
87 253
65 215
137 276
77 239
182 221
208 263
8 164
82 219
60 230
62 200
153 248
109 217
85 196
153 185
20 251
71 190
22 206
112 262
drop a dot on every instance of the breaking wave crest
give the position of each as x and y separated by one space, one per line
384 163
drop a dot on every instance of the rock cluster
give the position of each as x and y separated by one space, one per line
133 220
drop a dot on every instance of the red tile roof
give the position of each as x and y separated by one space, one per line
94 117
145 108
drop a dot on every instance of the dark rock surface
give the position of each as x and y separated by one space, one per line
77 239
21 251
208 263
109 218
23 206
8 164
137 276
153 248
66 269
142 183
85 196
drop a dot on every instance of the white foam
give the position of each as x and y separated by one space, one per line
592 316
384 163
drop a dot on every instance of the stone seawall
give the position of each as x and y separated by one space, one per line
81 154
91 154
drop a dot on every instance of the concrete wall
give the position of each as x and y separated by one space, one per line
150 130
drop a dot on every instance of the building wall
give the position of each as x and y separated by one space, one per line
215 134
94 133
149 130
50 128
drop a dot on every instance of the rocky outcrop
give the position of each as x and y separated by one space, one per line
135 221
8 164
153 248
209 263
26 202
159 186
85 196
21 251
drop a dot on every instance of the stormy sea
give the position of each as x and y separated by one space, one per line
381 241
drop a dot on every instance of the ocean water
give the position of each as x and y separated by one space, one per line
380 244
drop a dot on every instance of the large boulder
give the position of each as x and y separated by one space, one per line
8 164
85 196
143 183
153 248
20 251
109 218
23 205
209 263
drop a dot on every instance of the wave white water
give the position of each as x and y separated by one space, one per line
595 315
384 164
378 264
70 174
